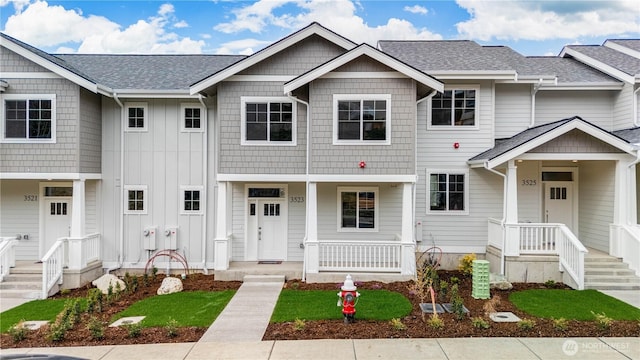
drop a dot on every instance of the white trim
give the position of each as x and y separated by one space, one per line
41 209
284 212
183 107
448 171
475 75
455 249
476 111
267 99
29 75
145 199
261 177
202 200
575 170
574 156
49 176
376 207
611 44
606 68
362 97
145 116
261 78
313 29
364 75
363 178
27 97
575 86
152 93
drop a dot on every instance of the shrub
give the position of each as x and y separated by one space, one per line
443 291
602 321
65 320
454 280
465 264
65 291
94 300
299 324
491 305
550 283
172 328
435 322
154 273
479 323
96 328
18 331
397 324
133 330
560 324
457 304
526 324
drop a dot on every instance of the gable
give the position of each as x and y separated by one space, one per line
364 64
577 142
12 62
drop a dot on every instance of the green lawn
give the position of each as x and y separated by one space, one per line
188 308
321 305
46 309
572 304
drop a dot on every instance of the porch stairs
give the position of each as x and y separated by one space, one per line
23 282
605 272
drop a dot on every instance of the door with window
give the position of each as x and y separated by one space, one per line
57 221
558 203
266 229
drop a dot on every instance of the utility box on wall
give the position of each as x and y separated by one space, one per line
171 234
149 238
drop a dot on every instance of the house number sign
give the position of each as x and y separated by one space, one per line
296 199
529 182
30 197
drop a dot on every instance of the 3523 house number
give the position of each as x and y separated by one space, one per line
529 182
296 199
30 197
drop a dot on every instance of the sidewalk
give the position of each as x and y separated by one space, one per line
402 349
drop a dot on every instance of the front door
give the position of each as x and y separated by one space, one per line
267 229
57 221
558 203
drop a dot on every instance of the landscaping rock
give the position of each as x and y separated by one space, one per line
170 285
499 282
103 282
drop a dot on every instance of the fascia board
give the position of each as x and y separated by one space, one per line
475 75
314 29
583 86
607 69
158 94
78 80
621 48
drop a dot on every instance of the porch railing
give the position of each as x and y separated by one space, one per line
53 263
88 249
371 256
630 246
7 255
538 238
571 255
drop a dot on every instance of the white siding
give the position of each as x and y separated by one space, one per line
18 216
596 203
110 215
91 207
593 106
513 109
623 108
529 196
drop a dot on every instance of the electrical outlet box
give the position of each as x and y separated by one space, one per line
171 234
149 238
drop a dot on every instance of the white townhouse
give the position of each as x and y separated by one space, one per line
321 155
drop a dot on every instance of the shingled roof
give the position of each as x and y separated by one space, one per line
616 59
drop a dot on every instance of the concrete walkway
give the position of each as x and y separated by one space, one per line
247 315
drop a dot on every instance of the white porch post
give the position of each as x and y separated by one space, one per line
77 230
512 235
221 243
312 245
406 237
622 204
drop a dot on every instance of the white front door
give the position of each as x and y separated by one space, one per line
57 221
267 229
558 203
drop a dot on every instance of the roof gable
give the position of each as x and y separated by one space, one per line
615 63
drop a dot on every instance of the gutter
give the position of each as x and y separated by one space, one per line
205 175
504 212
636 120
534 90
121 199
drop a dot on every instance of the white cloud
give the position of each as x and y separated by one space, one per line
543 20
18 5
181 24
416 9
243 47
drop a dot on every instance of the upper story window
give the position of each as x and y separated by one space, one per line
448 192
135 199
28 118
362 119
136 116
358 209
454 107
191 199
268 121
192 117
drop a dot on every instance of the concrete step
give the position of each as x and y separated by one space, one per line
21 285
26 270
601 258
632 279
19 294
611 286
23 277
263 278
602 264
608 271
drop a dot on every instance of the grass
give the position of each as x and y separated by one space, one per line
33 310
321 305
189 308
572 304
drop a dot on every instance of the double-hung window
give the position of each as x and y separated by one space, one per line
268 120
192 199
448 192
362 119
135 199
454 108
357 209
136 116
28 118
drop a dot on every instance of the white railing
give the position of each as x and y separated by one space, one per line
53 264
84 250
630 246
337 255
495 233
571 255
538 238
7 255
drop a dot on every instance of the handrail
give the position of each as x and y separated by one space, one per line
7 255
571 255
630 247
348 255
53 263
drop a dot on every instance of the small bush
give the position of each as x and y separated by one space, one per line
94 300
435 322
479 323
457 304
65 291
602 321
397 324
454 280
133 330
96 328
172 328
560 324
18 331
550 284
154 273
526 324
465 264
299 324
491 305
443 291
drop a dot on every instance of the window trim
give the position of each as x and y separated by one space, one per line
184 188
464 172
145 116
476 125
361 97
145 199
27 97
183 120
358 189
268 99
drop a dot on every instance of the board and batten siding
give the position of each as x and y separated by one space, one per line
596 203
595 107
19 216
398 158
512 108
110 215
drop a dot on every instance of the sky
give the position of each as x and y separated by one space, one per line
539 27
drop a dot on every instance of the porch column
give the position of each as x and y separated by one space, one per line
77 230
221 243
312 247
512 234
624 205
406 237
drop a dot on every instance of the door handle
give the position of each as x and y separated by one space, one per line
260 233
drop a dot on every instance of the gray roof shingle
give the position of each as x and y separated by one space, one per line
630 135
623 62
633 44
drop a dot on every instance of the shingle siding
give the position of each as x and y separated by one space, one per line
12 62
90 132
576 141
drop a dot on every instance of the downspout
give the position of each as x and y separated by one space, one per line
308 140
415 186
534 91
504 212
636 120
205 178
121 198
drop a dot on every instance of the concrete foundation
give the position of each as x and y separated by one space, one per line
73 279
526 268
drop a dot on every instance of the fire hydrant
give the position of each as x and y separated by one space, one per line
348 298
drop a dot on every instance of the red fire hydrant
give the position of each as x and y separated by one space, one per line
348 298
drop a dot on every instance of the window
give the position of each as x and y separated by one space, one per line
192 199
136 116
362 119
456 107
268 121
28 118
447 192
192 115
357 209
135 199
